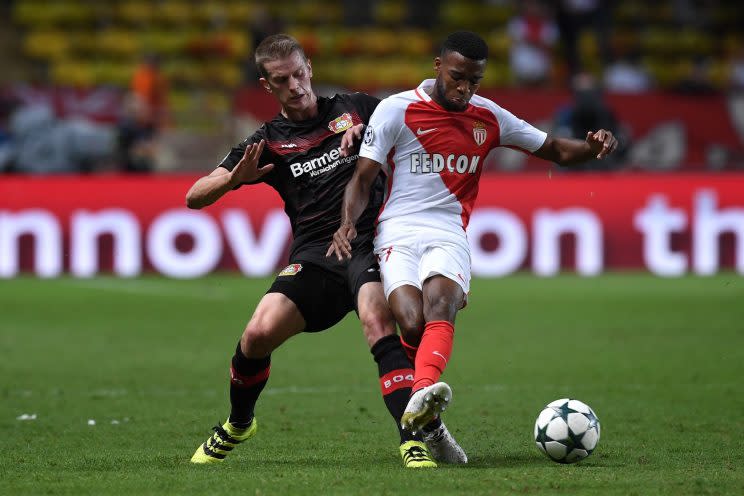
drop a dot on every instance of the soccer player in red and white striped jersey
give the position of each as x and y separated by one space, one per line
432 142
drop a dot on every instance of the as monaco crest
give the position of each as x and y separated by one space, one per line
341 123
479 132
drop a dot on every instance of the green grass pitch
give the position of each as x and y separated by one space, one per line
661 361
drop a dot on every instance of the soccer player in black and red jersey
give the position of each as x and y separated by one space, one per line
298 153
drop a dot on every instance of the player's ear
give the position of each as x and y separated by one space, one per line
437 64
265 84
309 69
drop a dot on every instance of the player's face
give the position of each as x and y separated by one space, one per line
289 81
458 78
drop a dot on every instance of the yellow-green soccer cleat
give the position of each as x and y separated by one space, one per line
416 455
222 442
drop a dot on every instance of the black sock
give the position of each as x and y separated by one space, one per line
248 376
433 425
396 379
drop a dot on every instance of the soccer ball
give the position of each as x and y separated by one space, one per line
567 430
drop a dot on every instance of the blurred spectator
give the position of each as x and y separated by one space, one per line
684 12
43 144
694 13
7 104
533 34
736 71
136 136
357 13
262 25
422 14
589 112
151 85
697 80
576 16
627 75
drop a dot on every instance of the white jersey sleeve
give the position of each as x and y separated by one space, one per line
518 133
382 131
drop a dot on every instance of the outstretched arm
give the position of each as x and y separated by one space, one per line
208 189
211 188
565 151
356 197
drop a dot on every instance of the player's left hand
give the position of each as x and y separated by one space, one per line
347 140
341 244
601 143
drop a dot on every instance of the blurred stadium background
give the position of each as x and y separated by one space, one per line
134 95
189 65
110 110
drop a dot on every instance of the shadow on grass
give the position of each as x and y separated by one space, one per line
499 460
522 460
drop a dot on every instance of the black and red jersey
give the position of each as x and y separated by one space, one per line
310 174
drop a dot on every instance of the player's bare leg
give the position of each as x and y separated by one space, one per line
395 370
408 307
275 320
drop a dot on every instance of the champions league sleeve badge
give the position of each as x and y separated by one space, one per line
369 136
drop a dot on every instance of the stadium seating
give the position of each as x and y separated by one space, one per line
87 42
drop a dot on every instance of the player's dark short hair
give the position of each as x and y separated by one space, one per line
275 47
467 44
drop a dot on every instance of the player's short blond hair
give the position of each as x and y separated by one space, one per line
275 47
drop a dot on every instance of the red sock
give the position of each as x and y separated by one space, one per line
433 353
410 350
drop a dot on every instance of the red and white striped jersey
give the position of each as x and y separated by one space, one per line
434 157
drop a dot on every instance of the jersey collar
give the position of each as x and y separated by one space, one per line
324 105
421 90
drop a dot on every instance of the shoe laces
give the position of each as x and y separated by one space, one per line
417 453
223 436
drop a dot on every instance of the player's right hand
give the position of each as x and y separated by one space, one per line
341 244
347 140
247 170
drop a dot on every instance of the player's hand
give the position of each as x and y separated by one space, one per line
247 170
347 140
601 143
341 244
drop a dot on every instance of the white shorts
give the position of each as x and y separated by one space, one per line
411 255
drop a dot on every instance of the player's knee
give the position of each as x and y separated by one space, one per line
441 308
411 326
377 324
257 340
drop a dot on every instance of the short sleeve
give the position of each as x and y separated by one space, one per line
365 105
382 131
236 153
519 133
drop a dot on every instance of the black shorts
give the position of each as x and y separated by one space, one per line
326 291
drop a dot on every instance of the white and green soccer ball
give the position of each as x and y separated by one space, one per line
567 430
